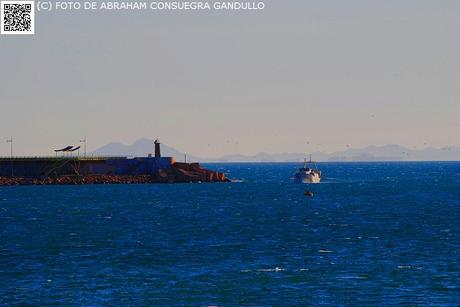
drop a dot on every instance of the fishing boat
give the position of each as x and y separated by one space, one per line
306 174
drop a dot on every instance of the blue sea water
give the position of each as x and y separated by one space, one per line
373 233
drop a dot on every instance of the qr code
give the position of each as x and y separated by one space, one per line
17 17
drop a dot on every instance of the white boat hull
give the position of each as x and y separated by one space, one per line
312 178
307 175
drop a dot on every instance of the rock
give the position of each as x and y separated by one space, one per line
178 173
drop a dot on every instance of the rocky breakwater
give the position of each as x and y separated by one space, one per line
177 173
191 172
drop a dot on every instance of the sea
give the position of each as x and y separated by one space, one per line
385 233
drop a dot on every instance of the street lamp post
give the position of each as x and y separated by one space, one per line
84 141
10 140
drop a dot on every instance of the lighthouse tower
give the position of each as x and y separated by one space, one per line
157 149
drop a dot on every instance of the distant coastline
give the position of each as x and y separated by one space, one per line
384 153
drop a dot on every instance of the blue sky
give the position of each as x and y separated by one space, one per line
331 73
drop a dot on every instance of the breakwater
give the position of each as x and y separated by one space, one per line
102 170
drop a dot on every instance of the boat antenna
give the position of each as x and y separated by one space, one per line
314 163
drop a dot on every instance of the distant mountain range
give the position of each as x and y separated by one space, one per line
143 147
140 148
370 153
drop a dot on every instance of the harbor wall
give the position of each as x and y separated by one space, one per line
61 166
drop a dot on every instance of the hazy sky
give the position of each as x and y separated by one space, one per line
329 72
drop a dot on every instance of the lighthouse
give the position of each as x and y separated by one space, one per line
157 149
